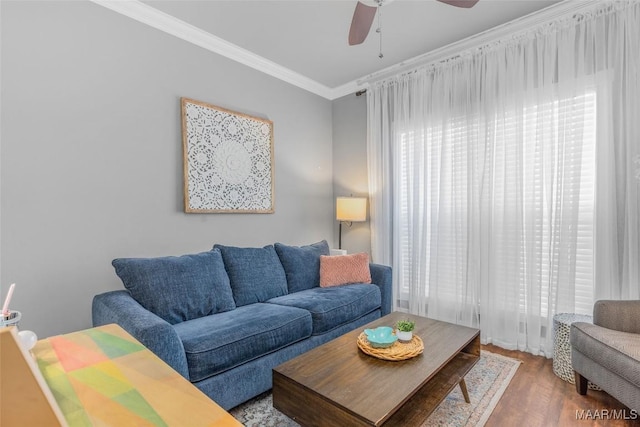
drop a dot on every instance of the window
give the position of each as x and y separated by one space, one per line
527 175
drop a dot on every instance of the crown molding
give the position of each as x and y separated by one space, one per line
157 19
347 89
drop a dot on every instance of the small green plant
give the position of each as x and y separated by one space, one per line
405 325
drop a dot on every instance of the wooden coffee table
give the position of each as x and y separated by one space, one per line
336 384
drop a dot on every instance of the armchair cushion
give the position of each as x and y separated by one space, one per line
256 274
302 264
618 352
180 288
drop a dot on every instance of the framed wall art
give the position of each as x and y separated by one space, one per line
228 160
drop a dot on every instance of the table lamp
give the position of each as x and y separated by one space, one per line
350 210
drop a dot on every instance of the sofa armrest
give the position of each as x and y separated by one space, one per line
152 331
381 276
619 315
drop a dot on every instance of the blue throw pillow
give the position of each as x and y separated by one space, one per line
178 288
256 274
302 264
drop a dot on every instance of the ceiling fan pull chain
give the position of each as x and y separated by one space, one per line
379 30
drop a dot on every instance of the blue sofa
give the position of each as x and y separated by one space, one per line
225 318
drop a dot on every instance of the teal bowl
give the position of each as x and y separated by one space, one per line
381 337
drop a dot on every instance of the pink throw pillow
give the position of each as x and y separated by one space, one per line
344 269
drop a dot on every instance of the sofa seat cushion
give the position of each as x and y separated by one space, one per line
178 288
617 351
256 274
222 341
333 307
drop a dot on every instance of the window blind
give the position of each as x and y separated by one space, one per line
449 174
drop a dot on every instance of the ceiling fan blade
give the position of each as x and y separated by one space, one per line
460 3
361 23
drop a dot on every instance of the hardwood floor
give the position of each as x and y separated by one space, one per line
537 397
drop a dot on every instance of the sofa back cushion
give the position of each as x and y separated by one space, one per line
178 288
256 274
302 264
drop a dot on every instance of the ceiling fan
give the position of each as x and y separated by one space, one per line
364 14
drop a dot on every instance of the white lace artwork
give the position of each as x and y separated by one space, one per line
228 160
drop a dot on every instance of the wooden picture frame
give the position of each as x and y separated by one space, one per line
228 160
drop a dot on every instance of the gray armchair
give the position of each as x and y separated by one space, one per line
607 352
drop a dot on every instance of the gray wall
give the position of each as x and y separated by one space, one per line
350 165
91 155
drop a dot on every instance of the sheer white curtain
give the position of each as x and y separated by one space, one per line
502 182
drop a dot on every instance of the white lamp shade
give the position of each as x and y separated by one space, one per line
352 209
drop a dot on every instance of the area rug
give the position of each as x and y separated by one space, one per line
486 382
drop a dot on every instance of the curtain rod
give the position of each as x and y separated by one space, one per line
550 13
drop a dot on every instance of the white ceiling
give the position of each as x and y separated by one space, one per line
309 37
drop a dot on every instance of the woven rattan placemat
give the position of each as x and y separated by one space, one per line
398 351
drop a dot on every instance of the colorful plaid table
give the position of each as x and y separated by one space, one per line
104 377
